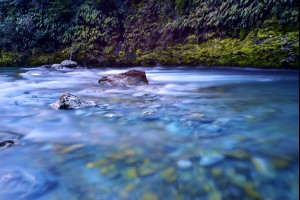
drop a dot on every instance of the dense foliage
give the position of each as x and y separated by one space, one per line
120 31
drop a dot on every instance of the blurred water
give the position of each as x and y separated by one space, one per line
193 133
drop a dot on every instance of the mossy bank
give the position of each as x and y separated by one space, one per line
262 48
151 32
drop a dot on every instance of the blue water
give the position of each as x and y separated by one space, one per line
193 133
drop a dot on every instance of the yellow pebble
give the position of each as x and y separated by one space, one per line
90 165
72 148
150 196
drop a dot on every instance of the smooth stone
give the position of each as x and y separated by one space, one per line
149 169
57 66
168 172
239 154
107 169
261 165
69 64
130 78
130 173
150 196
211 159
184 164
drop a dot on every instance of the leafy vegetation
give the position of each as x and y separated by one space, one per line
133 32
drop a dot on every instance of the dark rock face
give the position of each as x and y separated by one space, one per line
24 185
290 58
56 66
69 102
130 78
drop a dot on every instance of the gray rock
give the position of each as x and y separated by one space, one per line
211 159
4 144
130 78
69 64
9 139
69 102
24 185
56 66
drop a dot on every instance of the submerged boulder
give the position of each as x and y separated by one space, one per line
57 66
130 78
69 102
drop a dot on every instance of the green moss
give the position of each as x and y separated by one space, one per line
47 58
265 48
6 58
268 47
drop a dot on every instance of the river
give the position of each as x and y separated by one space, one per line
192 134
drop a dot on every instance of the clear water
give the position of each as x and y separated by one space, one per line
194 133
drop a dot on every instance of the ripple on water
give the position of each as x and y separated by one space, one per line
192 133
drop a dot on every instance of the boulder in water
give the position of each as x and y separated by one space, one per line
69 64
70 102
9 139
130 78
4 144
57 66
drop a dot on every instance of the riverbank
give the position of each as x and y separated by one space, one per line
261 48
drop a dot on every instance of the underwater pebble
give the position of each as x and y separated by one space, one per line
211 159
150 196
184 164
261 165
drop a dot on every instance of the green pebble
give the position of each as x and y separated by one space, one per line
130 173
148 169
150 196
168 172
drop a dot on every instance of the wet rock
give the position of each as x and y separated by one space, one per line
290 58
24 185
56 66
69 64
210 159
130 78
149 169
150 196
69 102
4 144
130 173
9 139
262 166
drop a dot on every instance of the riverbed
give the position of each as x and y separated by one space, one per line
192 134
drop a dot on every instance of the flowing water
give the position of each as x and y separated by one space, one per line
193 133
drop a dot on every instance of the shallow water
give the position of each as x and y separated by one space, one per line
193 133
